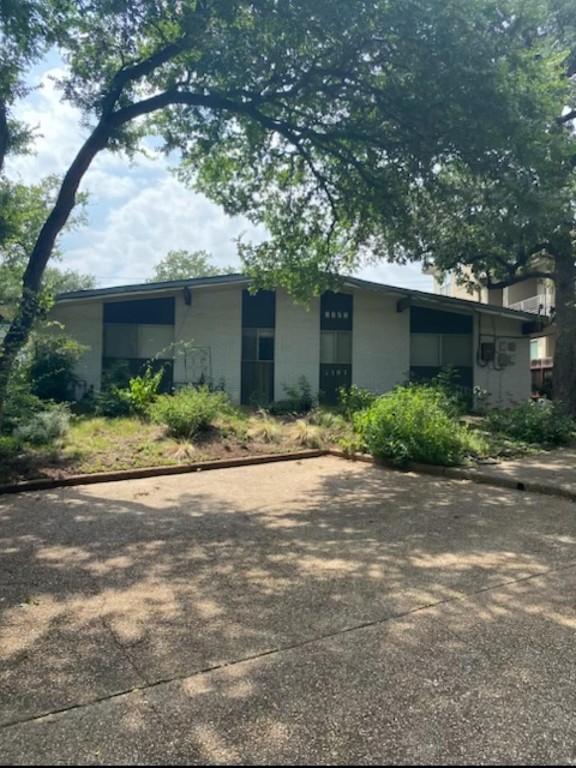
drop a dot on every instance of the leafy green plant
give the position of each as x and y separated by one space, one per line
113 402
353 399
189 411
47 426
537 422
116 373
143 390
21 406
51 367
413 423
300 397
9 447
281 407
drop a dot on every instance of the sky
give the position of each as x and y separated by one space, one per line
137 212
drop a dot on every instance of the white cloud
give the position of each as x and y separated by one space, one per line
161 216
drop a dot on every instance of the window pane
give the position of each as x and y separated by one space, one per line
249 344
344 347
425 349
265 345
328 347
456 350
120 340
156 341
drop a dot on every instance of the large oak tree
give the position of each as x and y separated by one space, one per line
323 119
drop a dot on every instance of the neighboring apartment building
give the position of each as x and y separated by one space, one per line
256 345
534 295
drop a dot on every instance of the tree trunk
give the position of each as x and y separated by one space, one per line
564 373
20 328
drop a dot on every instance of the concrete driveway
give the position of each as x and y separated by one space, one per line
315 611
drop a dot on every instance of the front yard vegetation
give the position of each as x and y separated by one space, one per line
133 425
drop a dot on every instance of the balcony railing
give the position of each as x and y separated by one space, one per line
542 362
537 305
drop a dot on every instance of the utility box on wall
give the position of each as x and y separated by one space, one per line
487 351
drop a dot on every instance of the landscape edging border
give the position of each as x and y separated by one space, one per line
450 473
137 473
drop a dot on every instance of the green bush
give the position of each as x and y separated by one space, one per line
116 373
413 423
190 410
51 367
21 406
281 407
541 423
353 399
113 402
46 427
9 447
136 397
300 398
143 390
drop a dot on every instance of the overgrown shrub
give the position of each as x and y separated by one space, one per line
143 390
189 411
46 427
136 397
281 407
460 399
300 397
9 447
51 367
113 402
21 407
116 373
533 422
353 399
413 423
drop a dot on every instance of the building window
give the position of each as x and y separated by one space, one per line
335 347
258 345
436 350
138 342
446 286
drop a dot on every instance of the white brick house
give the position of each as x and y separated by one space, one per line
368 334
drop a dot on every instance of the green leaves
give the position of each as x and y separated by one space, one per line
184 265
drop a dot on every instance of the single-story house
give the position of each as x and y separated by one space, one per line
375 336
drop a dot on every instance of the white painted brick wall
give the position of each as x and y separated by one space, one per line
512 384
84 323
297 344
380 342
213 321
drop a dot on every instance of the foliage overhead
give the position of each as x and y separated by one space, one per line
323 120
183 264
338 125
23 211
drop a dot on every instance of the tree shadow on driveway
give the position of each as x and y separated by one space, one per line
108 588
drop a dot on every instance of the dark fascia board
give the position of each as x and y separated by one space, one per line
352 282
448 302
145 288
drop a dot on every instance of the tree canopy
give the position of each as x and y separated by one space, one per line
23 211
183 264
332 123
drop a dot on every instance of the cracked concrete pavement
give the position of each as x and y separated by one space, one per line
315 611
